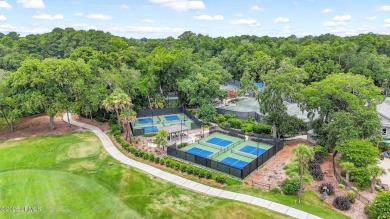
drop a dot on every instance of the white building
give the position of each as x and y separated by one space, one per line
383 110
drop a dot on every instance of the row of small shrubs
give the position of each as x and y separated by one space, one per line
150 134
182 145
169 162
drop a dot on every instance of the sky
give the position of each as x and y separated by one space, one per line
163 18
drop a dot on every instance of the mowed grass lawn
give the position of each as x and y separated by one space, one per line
72 176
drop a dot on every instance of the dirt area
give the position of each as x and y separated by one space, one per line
357 208
36 125
272 172
104 126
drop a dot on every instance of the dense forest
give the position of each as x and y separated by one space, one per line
76 70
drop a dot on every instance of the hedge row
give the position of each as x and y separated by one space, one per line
169 162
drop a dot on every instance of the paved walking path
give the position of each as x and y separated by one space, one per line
189 184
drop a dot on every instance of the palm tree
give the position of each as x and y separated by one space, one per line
374 171
161 139
348 167
128 116
303 154
117 101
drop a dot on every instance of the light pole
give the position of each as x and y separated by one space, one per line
181 131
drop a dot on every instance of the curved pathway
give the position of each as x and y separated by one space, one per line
189 184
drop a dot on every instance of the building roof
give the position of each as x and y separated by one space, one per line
383 110
175 128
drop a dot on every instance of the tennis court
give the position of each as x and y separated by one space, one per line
150 129
145 123
189 149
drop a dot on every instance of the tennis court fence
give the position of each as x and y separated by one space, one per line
213 164
241 115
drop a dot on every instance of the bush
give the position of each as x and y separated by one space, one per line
181 145
235 123
360 177
351 196
190 170
220 118
262 128
220 179
330 188
290 186
320 150
341 186
208 175
229 116
150 134
318 158
247 127
275 190
317 174
380 207
341 203
224 125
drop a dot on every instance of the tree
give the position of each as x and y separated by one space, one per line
286 81
344 107
128 116
359 152
375 171
117 101
348 167
206 112
161 139
303 155
379 207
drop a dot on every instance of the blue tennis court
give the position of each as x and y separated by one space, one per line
253 150
219 142
144 120
150 129
171 118
199 152
234 162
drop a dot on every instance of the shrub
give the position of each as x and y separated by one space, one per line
320 150
235 123
190 169
351 196
183 168
318 158
220 179
208 175
181 145
342 203
247 127
225 125
330 188
275 190
157 159
150 134
228 116
220 118
177 166
151 157
341 186
380 207
262 128
317 174
360 177
290 186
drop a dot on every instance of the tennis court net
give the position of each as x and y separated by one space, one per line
210 145
227 148
244 154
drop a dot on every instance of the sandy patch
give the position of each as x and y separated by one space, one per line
88 165
82 150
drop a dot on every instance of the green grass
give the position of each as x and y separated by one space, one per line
71 176
310 201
